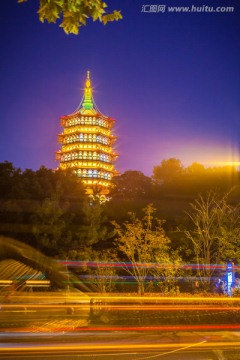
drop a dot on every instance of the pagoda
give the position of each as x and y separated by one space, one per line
87 144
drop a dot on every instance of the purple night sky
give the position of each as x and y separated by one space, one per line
171 81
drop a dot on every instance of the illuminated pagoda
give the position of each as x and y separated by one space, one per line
87 144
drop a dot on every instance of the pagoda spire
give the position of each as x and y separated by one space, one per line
87 103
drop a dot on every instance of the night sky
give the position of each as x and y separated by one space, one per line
171 81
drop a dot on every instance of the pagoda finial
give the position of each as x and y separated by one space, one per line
88 101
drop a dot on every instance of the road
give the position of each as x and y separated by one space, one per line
171 329
121 345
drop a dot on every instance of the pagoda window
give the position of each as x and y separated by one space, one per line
85 155
94 155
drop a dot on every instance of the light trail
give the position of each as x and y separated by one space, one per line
111 306
78 263
170 347
173 351
163 299
164 328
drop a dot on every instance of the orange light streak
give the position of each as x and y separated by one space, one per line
120 347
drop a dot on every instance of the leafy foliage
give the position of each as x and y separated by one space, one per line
49 225
101 276
143 242
74 13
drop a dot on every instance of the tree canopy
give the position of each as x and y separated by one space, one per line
168 170
131 184
73 14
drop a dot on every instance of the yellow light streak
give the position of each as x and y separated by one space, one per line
126 298
203 345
